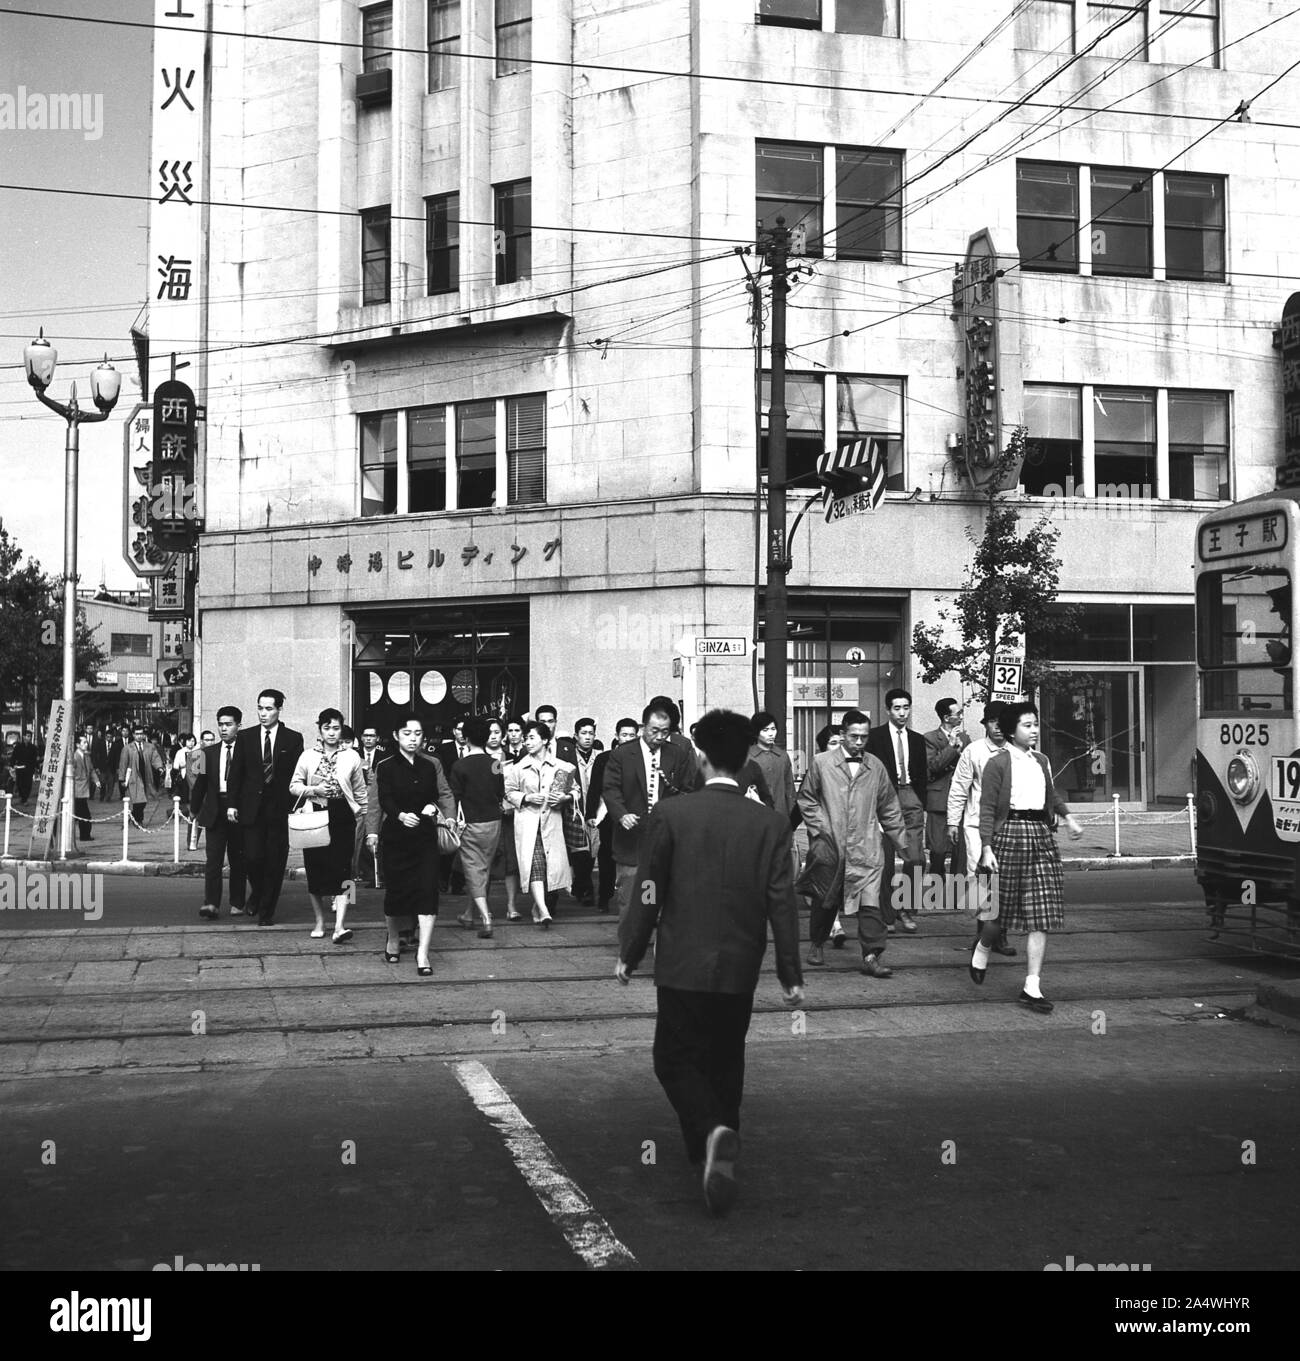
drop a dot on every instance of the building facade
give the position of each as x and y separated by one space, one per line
484 395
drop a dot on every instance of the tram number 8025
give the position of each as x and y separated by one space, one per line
1239 734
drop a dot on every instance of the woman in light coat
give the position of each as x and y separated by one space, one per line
539 800
335 777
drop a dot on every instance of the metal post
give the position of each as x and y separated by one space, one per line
1115 802
126 826
776 605
9 804
1191 821
176 829
72 449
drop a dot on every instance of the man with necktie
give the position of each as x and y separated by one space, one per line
371 754
943 749
139 758
902 752
637 775
211 802
261 767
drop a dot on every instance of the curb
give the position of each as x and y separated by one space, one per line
1129 862
152 869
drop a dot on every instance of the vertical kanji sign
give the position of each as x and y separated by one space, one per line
178 181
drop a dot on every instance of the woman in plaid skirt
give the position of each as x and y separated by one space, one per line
1018 802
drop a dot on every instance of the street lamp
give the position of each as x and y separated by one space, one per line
39 358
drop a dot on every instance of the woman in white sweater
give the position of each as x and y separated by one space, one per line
334 777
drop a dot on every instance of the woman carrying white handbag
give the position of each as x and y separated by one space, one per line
335 778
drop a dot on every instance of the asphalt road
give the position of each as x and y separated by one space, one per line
326 1119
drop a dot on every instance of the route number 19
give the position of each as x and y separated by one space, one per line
1286 777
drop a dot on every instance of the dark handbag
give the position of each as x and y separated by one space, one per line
448 837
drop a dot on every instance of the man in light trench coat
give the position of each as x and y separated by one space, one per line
847 798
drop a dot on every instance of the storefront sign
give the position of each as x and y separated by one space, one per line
1289 473
106 678
170 590
975 307
139 551
57 739
140 683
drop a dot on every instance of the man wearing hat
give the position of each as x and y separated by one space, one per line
964 807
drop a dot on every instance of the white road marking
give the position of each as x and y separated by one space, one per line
587 1233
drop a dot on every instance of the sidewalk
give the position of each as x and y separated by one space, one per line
1147 840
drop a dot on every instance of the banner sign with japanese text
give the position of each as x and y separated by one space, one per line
57 742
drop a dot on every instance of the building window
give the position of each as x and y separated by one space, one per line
872 407
1045 25
377 38
1127 19
1188 34
514 231
1198 446
1121 222
442 242
1194 227
869 204
514 36
1053 463
426 458
130 645
476 454
444 44
525 449
789 181
864 406
878 18
376 236
379 463
1047 217
1124 421
790 13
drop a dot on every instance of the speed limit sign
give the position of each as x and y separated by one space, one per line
1008 675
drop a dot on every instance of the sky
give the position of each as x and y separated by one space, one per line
76 266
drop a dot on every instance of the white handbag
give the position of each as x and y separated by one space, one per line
308 827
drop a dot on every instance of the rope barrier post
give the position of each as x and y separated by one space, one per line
1115 801
176 829
126 829
65 812
1191 821
9 807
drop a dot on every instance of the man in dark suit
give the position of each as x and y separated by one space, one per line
449 752
714 870
902 753
581 751
211 802
637 775
943 749
371 754
625 730
260 770
24 762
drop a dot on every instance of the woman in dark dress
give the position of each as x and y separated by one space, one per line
479 788
413 793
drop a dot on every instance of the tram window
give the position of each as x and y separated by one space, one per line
1243 631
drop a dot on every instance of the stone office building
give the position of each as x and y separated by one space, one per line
480 368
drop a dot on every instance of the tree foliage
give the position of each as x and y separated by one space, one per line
31 652
1007 593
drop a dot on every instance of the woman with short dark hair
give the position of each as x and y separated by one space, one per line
1018 801
538 785
479 787
332 776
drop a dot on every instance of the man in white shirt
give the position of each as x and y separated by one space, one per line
964 809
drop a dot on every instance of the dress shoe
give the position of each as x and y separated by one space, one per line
466 918
720 1155
236 911
341 936
815 957
976 975
908 921
873 968
1039 1004
209 912
514 916
1002 948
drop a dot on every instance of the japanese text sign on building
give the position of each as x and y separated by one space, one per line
1289 472
57 739
177 180
975 309
1243 534
139 551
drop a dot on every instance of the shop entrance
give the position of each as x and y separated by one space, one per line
445 662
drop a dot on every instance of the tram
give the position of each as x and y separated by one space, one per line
1248 730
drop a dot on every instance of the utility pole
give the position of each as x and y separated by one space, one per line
776 605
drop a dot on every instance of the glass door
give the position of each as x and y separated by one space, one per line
1091 732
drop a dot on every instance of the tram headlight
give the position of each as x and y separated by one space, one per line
1243 777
